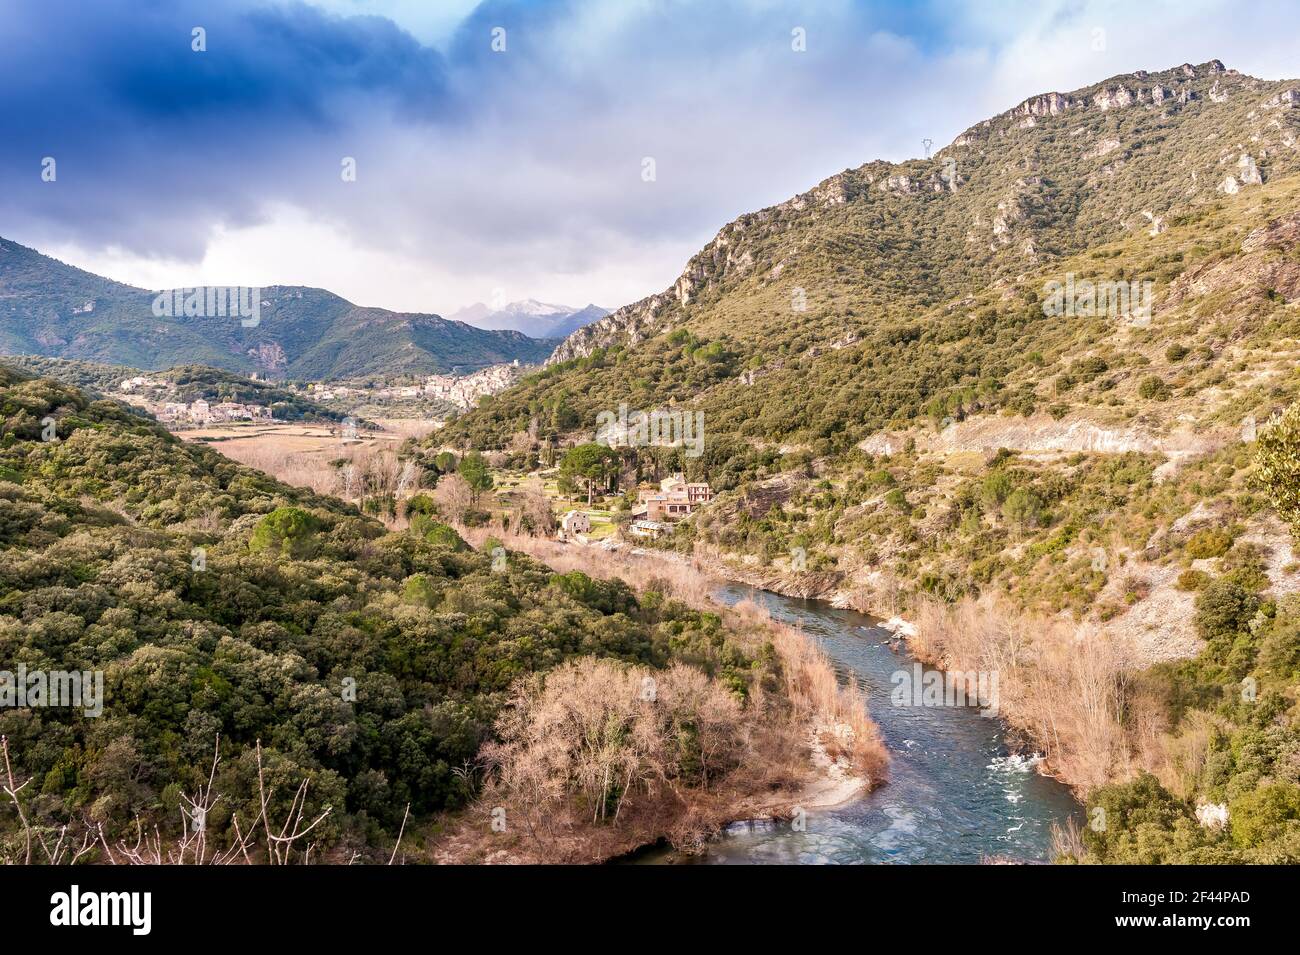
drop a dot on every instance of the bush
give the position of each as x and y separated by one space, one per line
897 500
1277 462
1176 353
1223 609
420 504
1279 646
437 533
1208 542
996 488
1264 814
1153 387
1132 819
1023 508
1193 580
286 530
420 590
1089 368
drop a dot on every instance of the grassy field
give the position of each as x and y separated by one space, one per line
603 521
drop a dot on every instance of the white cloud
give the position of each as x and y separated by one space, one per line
290 248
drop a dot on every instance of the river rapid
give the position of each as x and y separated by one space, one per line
956 794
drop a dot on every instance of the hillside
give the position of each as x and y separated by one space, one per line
887 298
891 395
885 292
310 640
1053 176
52 309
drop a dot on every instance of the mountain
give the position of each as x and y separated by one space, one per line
579 319
892 291
1031 395
1054 175
52 309
535 319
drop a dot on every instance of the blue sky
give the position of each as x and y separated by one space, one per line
484 173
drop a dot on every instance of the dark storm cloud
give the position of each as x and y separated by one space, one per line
154 142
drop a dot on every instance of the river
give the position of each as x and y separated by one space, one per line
955 793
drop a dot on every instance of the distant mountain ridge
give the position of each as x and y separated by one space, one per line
535 319
53 309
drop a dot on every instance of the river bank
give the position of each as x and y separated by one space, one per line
996 769
1065 687
811 743
958 791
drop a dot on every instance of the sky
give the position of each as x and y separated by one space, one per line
504 149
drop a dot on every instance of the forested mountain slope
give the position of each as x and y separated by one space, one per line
1053 176
890 290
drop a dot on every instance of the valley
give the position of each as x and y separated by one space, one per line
1020 418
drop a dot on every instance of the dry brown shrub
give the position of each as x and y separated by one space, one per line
816 692
454 496
1179 760
811 684
1067 685
595 740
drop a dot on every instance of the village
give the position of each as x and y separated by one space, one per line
151 395
158 396
463 391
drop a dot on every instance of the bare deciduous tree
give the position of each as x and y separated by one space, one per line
282 844
454 497
596 733
535 509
